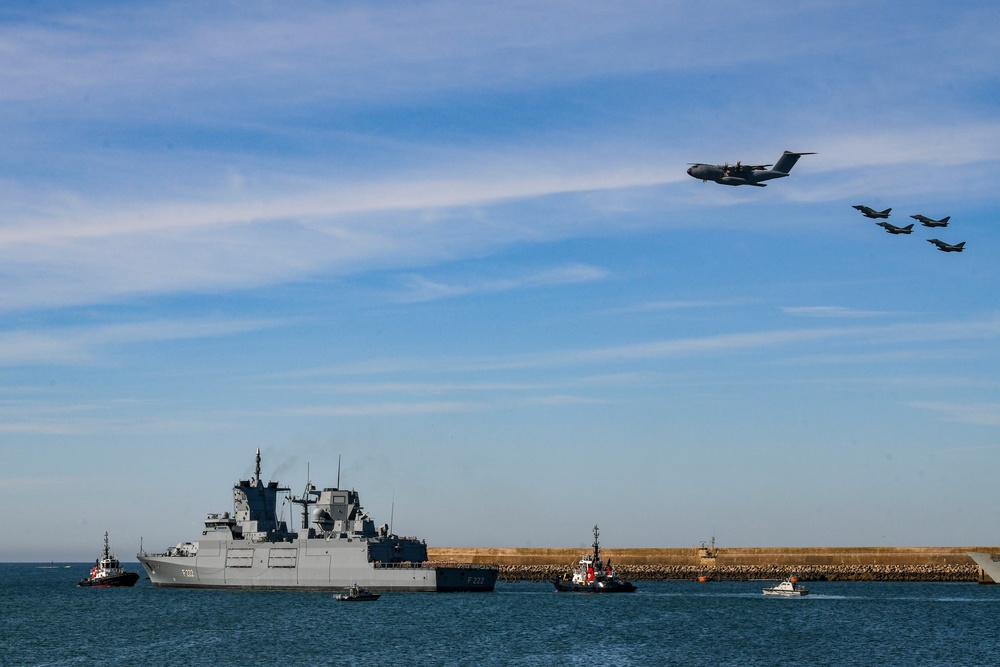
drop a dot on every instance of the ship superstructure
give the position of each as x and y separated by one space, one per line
254 548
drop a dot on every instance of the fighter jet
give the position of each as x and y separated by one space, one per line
930 222
872 213
745 174
893 229
947 247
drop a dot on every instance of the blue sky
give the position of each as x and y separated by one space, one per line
455 245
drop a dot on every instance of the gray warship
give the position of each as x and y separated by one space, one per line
252 548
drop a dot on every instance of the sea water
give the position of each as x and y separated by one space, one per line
45 619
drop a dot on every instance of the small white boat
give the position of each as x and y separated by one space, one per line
787 589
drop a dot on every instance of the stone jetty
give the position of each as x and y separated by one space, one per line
950 564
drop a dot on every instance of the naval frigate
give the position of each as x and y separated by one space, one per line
253 548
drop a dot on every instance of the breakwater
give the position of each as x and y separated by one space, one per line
949 564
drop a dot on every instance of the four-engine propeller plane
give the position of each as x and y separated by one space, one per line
893 229
930 222
947 247
745 174
872 213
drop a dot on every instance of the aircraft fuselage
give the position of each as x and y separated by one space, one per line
733 175
741 174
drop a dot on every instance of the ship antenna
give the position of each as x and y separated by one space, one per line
257 468
306 499
338 471
392 511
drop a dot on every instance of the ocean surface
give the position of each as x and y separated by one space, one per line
45 619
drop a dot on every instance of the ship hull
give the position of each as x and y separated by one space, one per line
308 565
615 586
117 581
987 563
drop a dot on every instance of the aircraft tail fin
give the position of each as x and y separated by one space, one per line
787 161
886 211
960 245
945 219
909 227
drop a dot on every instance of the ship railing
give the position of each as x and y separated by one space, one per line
410 565
404 565
467 566
185 551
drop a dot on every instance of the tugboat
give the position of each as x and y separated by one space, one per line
787 589
358 594
107 571
592 575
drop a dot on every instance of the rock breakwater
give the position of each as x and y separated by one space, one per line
948 564
953 573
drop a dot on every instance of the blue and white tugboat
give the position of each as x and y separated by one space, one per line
592 575
108 572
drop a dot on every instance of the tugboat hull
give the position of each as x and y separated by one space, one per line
618 586
121 580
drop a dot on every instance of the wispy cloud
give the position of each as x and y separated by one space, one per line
402 408
836 312
423 289
657 306
883 341
82 344
979 414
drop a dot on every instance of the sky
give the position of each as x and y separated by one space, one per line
450 250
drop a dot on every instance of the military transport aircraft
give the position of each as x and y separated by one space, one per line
930 222
872 213
893 229
745 174
947 247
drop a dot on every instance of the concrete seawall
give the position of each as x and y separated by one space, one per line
815 564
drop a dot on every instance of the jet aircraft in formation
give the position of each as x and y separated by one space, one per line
930 222
872 213
947 247
745 174
924 220
893 229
